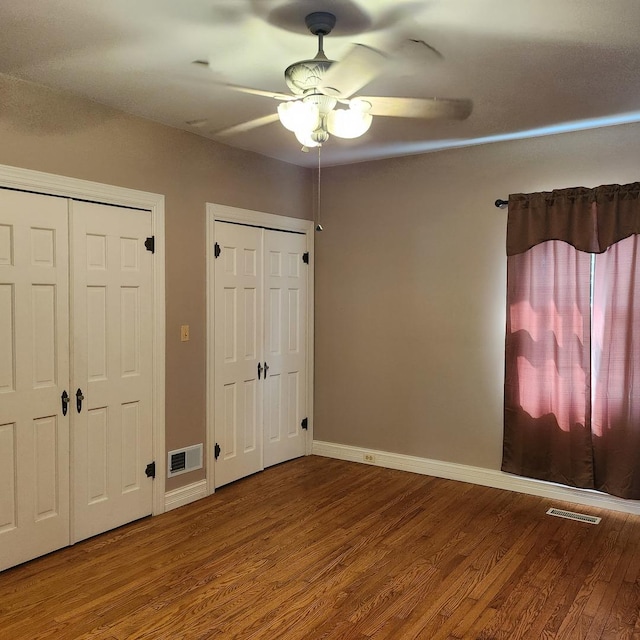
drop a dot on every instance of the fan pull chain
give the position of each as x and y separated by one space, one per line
318 225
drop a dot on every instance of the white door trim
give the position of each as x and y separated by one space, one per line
224 213
51 184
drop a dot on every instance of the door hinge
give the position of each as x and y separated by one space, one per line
216 250
150 471
150 244
305 423
305 257
216 451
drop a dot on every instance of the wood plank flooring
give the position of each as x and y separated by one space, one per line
324 549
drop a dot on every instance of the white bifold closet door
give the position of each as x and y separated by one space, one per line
75 371
112 367
34 375
260 349
285 346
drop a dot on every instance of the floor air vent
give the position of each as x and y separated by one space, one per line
570 515
184 460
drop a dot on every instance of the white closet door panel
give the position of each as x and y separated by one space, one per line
97 450
47 473
34 372
112 324
43 305
132 437
238 350
285 346
7 338
8 465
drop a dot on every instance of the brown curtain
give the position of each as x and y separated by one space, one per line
616 369
555 428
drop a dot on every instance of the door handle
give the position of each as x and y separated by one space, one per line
65 402
79 399
260 370
266 368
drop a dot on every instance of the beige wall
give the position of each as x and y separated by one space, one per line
410 270
48 131
410 289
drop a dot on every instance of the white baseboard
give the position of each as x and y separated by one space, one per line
476 475
185 495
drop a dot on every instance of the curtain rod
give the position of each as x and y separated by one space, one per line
501 204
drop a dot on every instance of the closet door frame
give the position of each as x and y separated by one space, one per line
54 185
225 213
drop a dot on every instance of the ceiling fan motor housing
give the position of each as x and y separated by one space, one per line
305 76
320 22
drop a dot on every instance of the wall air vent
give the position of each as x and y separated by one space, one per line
570 515
184 460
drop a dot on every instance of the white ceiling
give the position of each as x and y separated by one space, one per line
530 66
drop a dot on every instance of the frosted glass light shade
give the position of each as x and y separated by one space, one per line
313 139
305 139
323 103
348 123
299 116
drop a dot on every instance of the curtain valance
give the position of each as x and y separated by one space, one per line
591 220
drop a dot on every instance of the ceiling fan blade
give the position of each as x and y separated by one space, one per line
416 49
256 92
250 90
430 108
359 67
247 126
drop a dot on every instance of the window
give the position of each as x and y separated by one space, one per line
572 370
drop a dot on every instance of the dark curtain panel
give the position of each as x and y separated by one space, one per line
572 391
616 369
547 369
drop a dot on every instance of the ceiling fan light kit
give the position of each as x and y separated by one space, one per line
313 117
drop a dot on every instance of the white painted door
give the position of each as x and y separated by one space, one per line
260 349
285 346
238 352
112 367
34 373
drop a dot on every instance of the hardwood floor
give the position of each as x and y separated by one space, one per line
320 548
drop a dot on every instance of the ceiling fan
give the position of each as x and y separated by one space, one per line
324 100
